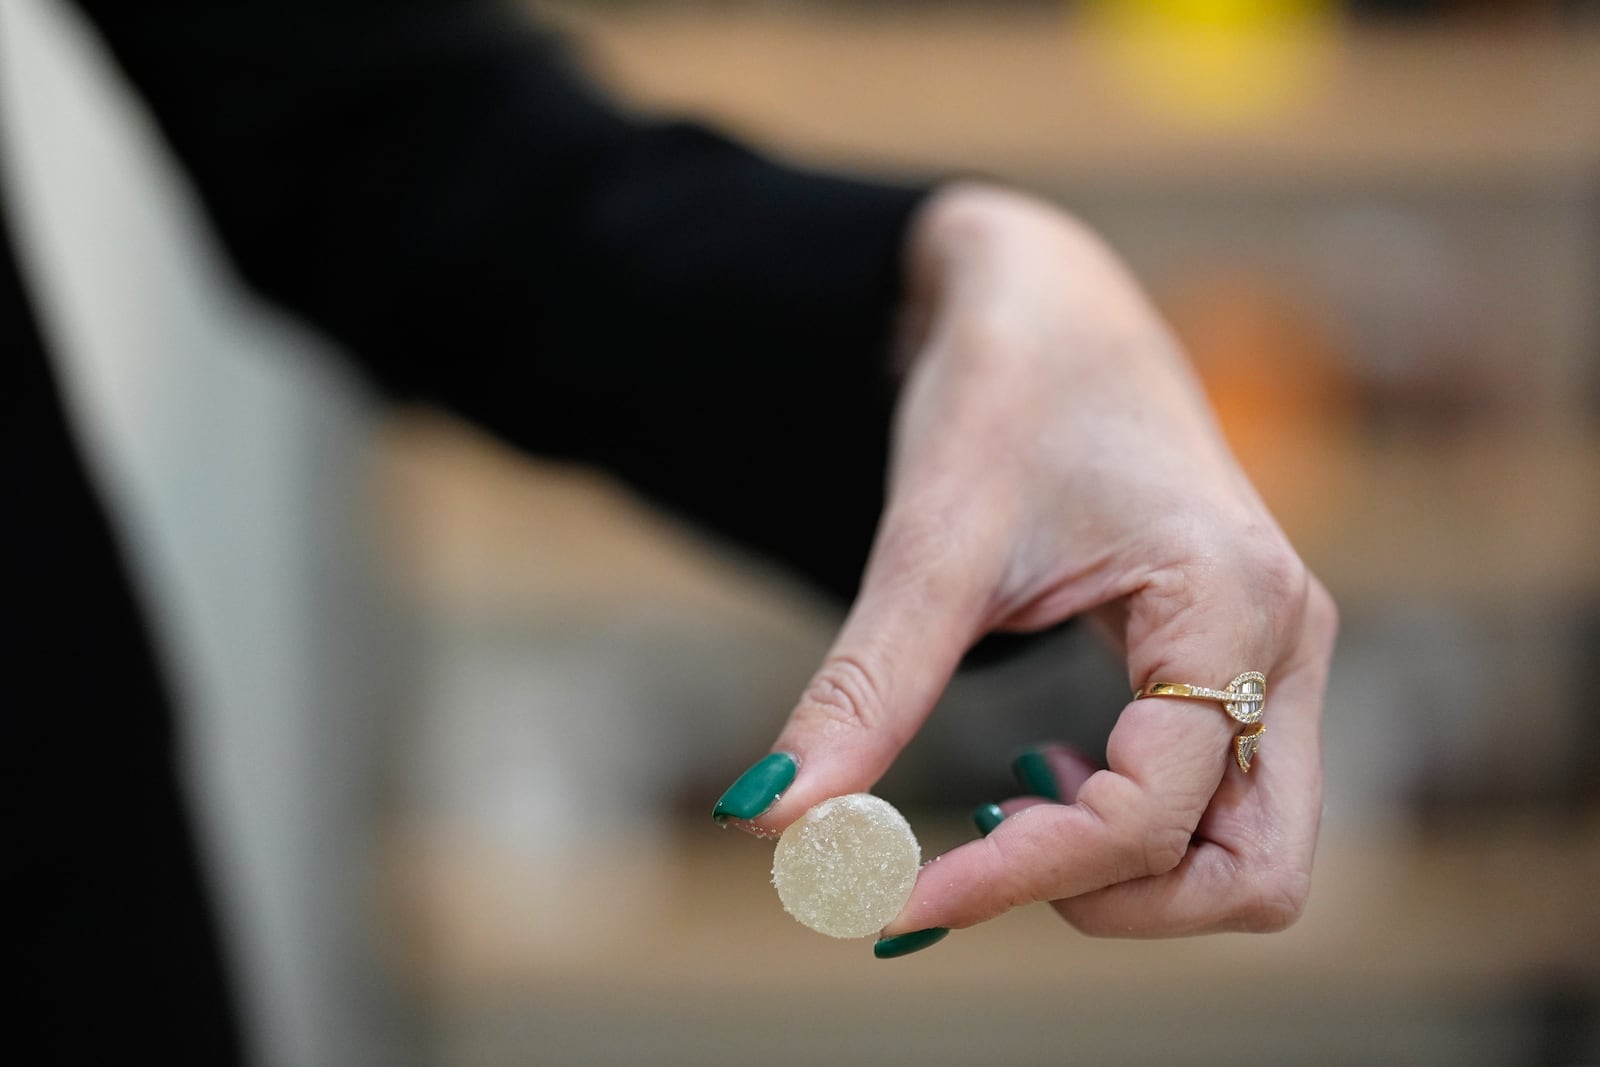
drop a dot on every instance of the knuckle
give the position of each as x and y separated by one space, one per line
1321 611
1253 568
926 557
1018 881
1187 571
1164 848
1276 902
921 534
1148 841
844 691
1280 576
1088 920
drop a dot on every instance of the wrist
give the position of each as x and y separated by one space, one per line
990 257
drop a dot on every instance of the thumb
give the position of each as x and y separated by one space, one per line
918 610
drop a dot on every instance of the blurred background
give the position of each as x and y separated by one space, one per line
459 716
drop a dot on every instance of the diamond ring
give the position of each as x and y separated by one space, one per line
1244 699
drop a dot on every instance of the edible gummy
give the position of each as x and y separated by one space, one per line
847 866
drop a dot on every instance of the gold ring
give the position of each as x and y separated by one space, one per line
1244 699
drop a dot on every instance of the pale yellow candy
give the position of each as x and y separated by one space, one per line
847 866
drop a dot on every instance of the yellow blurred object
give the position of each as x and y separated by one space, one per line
1214 63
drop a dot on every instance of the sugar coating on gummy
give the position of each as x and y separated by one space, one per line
847 866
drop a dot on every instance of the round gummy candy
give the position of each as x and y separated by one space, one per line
847 866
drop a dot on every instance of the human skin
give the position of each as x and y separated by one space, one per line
1054 456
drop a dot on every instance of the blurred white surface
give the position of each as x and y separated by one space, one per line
231 456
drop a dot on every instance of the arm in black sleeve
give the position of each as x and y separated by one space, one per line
431 184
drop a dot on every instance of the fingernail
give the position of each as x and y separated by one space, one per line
756 789
987 818
888 948
1033 771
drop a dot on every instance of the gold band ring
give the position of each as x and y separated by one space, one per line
1244 700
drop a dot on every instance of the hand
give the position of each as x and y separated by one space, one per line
1054 456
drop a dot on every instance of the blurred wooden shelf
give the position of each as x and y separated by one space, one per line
1023 93
1424 950
1498 521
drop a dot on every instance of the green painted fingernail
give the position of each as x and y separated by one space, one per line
888 948
756 789
1033 771
987 818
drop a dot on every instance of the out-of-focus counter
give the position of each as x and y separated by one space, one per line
1463 948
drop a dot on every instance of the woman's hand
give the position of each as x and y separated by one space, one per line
1054 456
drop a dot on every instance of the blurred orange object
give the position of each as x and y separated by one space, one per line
1287 401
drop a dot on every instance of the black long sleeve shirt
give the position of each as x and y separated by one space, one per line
431 184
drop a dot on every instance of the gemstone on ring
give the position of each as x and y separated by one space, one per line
1246 698
1243 700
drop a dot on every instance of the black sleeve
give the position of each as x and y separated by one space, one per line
429 182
